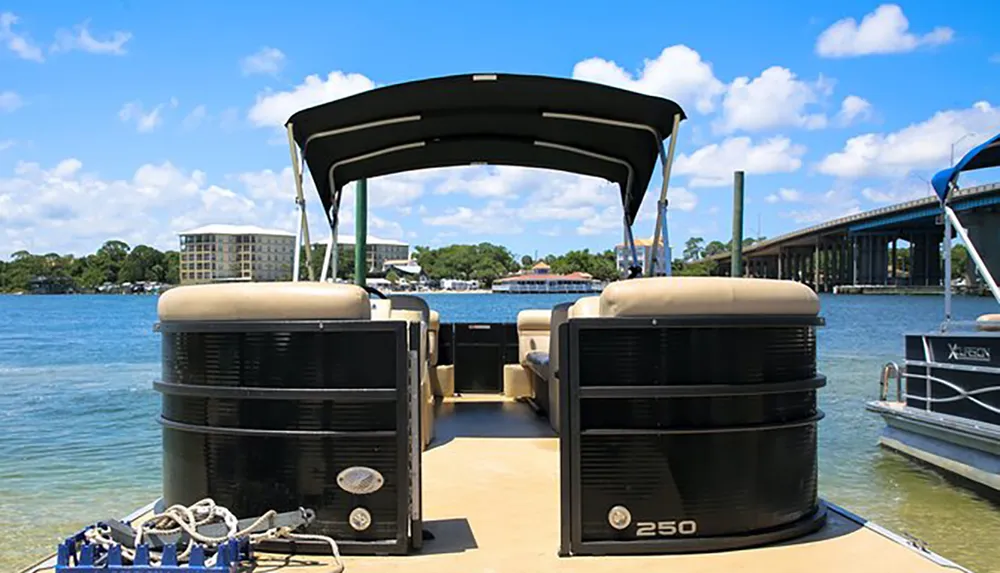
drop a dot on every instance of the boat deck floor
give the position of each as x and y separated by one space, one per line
491 500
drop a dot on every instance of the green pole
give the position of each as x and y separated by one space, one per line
361 232
737 247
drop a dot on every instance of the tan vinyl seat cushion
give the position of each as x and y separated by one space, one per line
517 381
426 392
560 314
433 328
444 380
679 296
265 301
988 322
381 308
532 332
586 307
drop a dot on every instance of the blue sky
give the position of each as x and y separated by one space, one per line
136 120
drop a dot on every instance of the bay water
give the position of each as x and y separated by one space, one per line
79 439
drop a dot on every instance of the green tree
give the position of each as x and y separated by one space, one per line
715 248
693 248
527 262
392 277
142 263
172 271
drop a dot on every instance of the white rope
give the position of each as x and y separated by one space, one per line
188 519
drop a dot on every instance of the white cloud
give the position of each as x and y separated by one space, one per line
80 38
267 60
20 44
776 98
609 219
65 208
492 181
884 31
6 144
193 119
924 145
145 121
854 108
678 73
714 164
272 109
897 192
682 199
818 207
9 101
995 58
785 194
496 218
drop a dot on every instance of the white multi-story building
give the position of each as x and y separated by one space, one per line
378 250
235 253
644 251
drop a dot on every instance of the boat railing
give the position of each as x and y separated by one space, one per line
890 370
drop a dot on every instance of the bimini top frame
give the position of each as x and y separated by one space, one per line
945 182
501 119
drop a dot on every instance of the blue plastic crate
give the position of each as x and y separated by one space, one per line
231 553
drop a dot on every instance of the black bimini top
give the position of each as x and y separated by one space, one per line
500 119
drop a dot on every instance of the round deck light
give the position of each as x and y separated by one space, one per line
360 519
620 517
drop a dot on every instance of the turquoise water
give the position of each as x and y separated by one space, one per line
79 441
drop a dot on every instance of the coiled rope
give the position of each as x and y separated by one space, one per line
188 519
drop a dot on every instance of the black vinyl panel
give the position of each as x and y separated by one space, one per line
280 359
479 352
251 474
695 412
446 344
702 355
729 483
710 425
963 375
266 418
281 414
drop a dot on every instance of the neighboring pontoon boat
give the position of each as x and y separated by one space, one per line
669 417
946 409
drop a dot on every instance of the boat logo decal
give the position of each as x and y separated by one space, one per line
974 353
360 480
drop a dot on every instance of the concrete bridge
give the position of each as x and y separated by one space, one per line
861 249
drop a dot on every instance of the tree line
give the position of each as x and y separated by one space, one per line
114 262
487 262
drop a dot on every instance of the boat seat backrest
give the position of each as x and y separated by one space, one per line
264 301
585 307
560 314
988 323
706 296
411 302
533 329
433 330
381 308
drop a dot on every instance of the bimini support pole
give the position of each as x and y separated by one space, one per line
947 267
361 232
330 258
980 264
302 233
666 161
